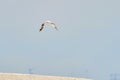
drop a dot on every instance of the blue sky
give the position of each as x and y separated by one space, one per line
86 45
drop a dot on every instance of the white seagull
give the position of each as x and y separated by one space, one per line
49 23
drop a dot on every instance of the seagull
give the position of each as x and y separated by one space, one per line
49 23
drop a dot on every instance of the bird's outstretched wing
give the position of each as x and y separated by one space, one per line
42 26
48 23
54 25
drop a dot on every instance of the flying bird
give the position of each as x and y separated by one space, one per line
49 23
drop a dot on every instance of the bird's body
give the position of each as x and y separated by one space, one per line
49 23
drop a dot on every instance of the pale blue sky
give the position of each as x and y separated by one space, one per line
86 45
